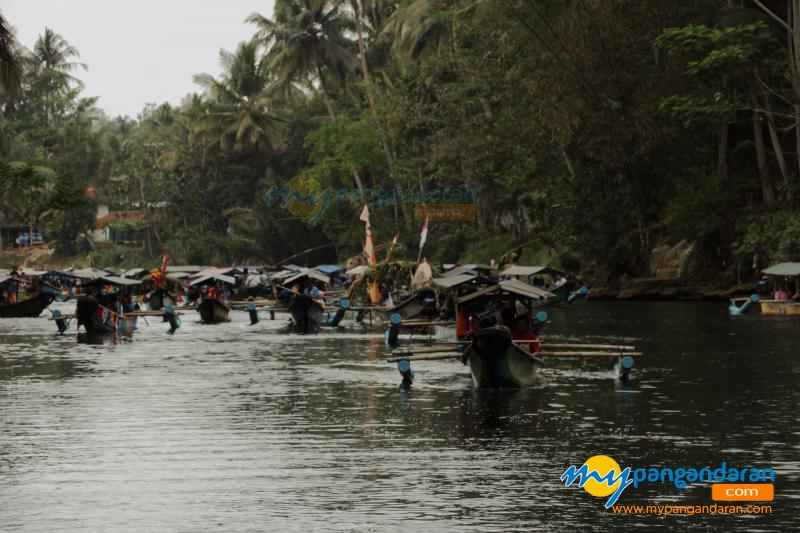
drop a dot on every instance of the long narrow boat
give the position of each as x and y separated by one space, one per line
496 362
213 311
32 307
779 307
308 314
99 320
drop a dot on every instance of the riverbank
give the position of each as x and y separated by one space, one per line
654 289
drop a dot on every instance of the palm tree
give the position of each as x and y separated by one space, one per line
417 29
238 117
307 41
10 68
52 53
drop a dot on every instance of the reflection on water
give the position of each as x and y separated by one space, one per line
245 427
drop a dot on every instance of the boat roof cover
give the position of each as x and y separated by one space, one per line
218 277
359 270
459 270
211 272
88 273
520 270
308 272
113 280
4 278
513 286
783 269
448 282
33 272
328 269
186 268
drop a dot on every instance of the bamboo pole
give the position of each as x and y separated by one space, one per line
429 357
588 354
617 347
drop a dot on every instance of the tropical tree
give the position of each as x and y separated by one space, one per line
307 42
10 68
52 53
239 116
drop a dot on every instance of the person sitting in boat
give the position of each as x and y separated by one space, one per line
474 327
520 332
780 295
212 292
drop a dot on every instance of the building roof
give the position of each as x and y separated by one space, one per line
783 269
104 221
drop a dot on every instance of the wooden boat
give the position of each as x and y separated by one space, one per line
213 311
496 362
423 303
779 307
32 307
99 320
308 314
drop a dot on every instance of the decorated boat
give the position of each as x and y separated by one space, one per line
99 320
213 311
785 281
496 362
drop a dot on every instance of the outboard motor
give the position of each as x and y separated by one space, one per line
428 302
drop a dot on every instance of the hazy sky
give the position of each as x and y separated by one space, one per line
139 51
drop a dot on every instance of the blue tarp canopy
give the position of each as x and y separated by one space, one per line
329 269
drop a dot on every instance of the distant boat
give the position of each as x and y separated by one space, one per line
32 307
496 362
213 311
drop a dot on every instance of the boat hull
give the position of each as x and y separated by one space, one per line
496 362
213 311
30 308
308 314
775 307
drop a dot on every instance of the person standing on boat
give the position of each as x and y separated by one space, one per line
521 332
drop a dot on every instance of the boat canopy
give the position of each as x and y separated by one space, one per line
87 273
113 280
4 278
310 273
449 282
192 269
133 273
513 286
783 269
217 277
520 270
329 269
358 271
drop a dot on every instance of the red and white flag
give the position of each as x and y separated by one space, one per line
364 217
391 246
164 261
424 235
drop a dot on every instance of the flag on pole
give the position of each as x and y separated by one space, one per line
424 235
364 215
391 246
164 261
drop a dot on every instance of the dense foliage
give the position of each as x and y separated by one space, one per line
591 130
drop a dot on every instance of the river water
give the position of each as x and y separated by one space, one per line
245 428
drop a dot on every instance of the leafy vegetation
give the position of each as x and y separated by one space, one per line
591 132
